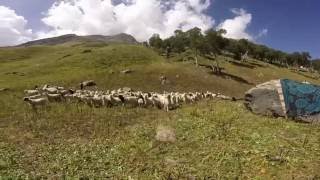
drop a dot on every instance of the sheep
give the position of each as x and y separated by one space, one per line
114 99
64 92
131 101
306 82
106 99
140 102
147 100
98 101
165 100
51 90
162 101
35 96
31 92
70 97
87 84
40 102
54 97
123 96
86 100
223 97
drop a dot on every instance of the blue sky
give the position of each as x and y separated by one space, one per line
291 25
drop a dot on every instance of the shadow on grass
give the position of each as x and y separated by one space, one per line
242 64
306 76
256 64
233 77
226 75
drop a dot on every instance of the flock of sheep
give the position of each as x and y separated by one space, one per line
40 97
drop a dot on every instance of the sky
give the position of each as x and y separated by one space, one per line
288 25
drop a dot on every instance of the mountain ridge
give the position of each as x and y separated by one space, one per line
118 38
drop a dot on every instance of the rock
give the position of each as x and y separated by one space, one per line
191 177
285 98
165 134
170 162
3 164
264 99
126 71
4 89
15 73
87 51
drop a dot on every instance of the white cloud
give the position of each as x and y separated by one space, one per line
236 27
13 28
140 18
262 33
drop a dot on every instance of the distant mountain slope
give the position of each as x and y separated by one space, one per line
119 38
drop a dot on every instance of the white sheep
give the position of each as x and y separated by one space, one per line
98 101
131 101
35 96
49 89
87 84
162 101
55 97
31 92
141 102
40 102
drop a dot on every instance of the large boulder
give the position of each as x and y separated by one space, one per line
264 99
285 98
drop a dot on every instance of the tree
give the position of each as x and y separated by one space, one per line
155 41
179 41
196 41
243 48
215 41
305 59
235 48
215 44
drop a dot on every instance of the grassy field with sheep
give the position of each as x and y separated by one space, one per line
214 139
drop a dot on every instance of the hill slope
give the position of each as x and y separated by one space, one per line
69 38
215 139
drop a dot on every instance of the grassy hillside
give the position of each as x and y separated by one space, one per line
215 139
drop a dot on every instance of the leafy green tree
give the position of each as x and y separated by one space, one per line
155 41
197 42
215 43
235 48
179 41
305 59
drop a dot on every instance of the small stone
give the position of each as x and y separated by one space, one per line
126 71
165 134
191 177
263 171
170 162
4 89
3 164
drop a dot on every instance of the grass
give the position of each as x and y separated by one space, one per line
215 139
